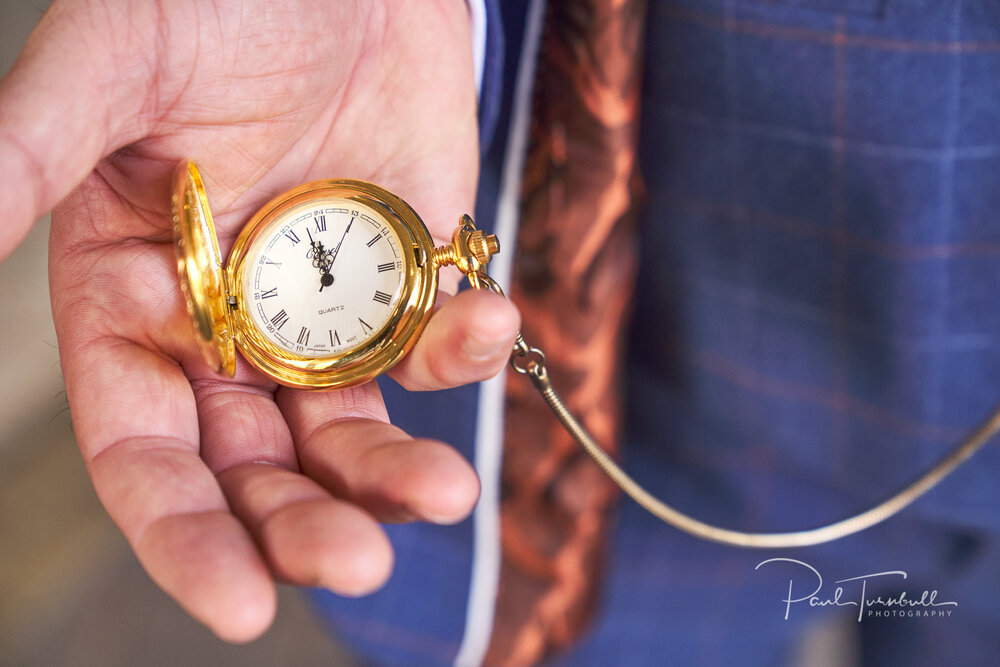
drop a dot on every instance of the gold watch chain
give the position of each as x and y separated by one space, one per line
530 361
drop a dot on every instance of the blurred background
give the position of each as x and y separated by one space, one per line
71 592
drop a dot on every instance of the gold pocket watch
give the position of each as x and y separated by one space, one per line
327 286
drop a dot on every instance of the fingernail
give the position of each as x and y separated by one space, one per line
478 349
441 520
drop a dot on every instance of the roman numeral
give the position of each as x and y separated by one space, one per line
382 297
320 223
334 337
304 336
269 293
388 266
279 320
367 328
374 240
292 236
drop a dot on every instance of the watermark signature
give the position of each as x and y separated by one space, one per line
853 592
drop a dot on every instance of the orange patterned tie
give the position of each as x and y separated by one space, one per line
575 267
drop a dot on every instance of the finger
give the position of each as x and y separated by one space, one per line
353 452
468 339
308 537
76 93
136 424
238 419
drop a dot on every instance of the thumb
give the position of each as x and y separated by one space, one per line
71 98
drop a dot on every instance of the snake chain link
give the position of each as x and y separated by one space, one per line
530 361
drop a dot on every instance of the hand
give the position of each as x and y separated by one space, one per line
223 486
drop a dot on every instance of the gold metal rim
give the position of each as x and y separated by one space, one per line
199 267
387 346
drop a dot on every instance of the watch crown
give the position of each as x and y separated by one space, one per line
483 246
470 250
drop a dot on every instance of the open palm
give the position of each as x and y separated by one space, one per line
222 486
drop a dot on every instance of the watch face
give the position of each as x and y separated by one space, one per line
324 277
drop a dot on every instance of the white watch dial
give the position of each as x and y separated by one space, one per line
324 278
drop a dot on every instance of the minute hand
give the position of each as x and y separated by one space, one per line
336 251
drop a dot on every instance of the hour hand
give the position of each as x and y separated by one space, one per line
322 259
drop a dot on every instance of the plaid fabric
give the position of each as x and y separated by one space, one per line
816 322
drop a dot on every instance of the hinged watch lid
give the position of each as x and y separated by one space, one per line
199 266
